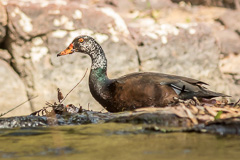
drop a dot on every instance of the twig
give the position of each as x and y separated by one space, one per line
29 99
102 110
197 101
74 86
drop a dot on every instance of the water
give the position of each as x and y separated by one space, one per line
113 141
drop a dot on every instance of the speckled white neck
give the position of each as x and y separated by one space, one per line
98 59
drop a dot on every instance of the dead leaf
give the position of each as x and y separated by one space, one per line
190 115
211 110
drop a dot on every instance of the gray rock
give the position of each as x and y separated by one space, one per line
151 4
231 19
229 65
229 41
4 55
12 91
3 22
220 3
186 50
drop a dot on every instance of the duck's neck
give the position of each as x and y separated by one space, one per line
98 76
99 60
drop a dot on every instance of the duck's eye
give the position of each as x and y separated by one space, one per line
81 40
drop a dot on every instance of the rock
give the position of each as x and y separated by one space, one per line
3 22
229 65
161 118
220 3
229 126
4 55
12 92
25 20
229 41
188 50
159 121
153 4
231 19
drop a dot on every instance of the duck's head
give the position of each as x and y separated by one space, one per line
84 44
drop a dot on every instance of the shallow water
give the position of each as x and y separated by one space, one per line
113 141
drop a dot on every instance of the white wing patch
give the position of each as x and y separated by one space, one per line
176 90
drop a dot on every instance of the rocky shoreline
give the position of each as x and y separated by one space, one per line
185 116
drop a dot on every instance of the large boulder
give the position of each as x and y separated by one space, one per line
231 20
229 41
189 50
12 91
229 37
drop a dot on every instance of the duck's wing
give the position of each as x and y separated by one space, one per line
187 88
183 84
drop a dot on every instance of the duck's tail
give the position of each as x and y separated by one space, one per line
202 94
211 94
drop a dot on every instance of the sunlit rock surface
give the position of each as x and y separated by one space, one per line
12 92
3 22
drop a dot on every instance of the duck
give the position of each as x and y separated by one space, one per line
135 90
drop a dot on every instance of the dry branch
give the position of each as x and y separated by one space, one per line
29 99
74 86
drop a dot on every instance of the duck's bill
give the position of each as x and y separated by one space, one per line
68 50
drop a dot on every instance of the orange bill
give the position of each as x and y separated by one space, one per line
68 50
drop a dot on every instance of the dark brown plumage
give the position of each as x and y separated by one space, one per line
135 90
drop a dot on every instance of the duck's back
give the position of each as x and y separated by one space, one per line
152 89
